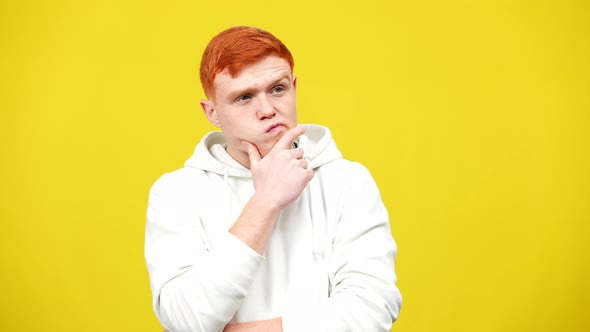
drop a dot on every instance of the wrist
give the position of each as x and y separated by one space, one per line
265 205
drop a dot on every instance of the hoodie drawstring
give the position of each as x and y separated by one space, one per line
228 191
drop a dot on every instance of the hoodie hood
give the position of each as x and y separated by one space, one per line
210 155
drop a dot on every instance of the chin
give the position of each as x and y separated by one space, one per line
265 148
263 151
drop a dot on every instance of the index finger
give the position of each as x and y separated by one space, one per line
253 153
289 137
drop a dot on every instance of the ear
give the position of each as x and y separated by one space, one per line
210 112
295 82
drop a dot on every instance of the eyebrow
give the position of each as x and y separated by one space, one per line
233 95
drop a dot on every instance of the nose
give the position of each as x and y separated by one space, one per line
265 109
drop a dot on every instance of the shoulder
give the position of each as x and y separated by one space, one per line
179 182
345 175
345 169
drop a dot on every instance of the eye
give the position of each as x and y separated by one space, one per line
278 89
244 98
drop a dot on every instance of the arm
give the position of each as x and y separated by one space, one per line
195 289
279 178
269 325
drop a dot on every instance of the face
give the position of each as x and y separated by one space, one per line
258 106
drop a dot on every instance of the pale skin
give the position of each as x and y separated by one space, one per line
256 112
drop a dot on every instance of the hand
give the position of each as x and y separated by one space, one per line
270 325
281 176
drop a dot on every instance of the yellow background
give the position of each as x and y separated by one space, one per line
472 116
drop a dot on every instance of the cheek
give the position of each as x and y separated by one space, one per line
228 122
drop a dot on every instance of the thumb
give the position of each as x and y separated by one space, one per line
253 154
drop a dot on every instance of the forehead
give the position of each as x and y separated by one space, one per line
265 71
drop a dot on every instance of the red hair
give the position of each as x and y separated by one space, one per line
235 48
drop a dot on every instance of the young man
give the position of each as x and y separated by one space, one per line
267 228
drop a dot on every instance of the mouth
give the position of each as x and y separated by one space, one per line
275 127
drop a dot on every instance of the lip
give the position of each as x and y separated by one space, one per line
274 127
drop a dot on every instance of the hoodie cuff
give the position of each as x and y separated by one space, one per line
239 260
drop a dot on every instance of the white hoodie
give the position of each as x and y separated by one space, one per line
328 266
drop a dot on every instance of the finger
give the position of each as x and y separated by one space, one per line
297 153
304 164
253 154
285 141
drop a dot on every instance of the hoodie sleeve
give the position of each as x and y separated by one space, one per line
193 287
363 292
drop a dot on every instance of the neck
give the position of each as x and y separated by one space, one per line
239 156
